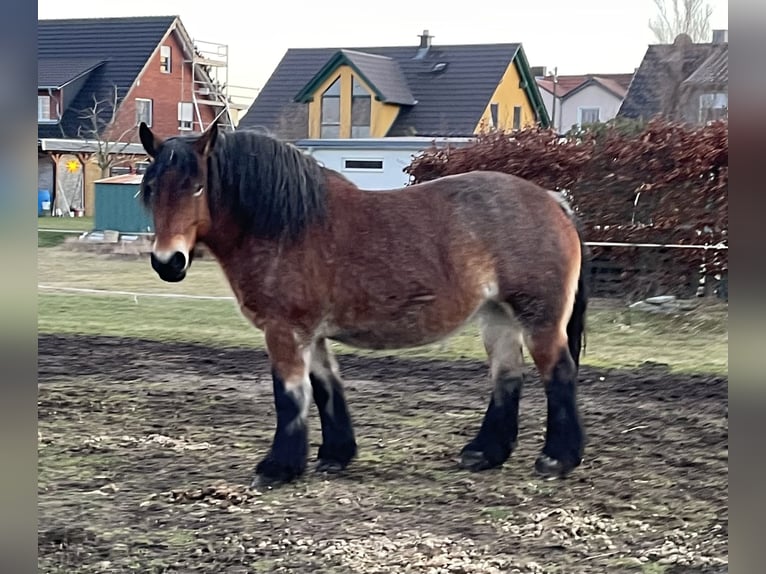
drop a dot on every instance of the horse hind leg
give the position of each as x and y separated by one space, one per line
338 443
564 436
496 438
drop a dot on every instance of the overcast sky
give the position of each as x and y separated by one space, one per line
580 36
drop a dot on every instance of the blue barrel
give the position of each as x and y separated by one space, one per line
43 202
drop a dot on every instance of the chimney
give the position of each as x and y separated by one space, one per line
425 45
720 36
425 40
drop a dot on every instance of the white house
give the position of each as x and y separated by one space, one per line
374 163
577 100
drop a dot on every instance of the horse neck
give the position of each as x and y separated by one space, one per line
231 246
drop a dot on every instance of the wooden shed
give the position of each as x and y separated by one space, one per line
118 206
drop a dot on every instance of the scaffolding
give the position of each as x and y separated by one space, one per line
210 86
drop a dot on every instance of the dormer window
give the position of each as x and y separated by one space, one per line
165 66
331 111
355 95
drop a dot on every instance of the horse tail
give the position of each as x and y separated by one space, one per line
576 335
576 331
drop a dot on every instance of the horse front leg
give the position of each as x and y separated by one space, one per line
338 443
290 364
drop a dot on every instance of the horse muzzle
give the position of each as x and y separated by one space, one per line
171 268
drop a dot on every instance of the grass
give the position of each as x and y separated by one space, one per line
695 341
63 226
67 223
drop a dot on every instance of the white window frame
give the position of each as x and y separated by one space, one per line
363 169
166 61
185 125
151 111
716 101
580 110
42 101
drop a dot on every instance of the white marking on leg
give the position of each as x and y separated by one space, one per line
324 366
300 392
502 335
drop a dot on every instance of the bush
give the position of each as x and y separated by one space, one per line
659 182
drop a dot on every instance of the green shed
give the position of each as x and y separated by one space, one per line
118 206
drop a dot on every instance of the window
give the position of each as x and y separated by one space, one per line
331 111
494 115
141 166
165 59
589 116
144 111
185 116
361 105
44 108
119 170
713 106
363 164
516 117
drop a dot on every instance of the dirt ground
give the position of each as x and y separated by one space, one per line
146 451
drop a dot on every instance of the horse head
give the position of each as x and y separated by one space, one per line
174 190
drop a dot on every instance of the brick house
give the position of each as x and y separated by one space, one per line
98 78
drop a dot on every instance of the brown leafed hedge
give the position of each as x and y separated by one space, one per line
659 182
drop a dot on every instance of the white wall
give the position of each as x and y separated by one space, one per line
591 97
389 177
547 98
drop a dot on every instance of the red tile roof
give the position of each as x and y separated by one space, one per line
615 83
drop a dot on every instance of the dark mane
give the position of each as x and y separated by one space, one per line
272 188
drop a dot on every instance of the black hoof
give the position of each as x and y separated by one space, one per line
481 455
270 472
551 468
330 466
475 461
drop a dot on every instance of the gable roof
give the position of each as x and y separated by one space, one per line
714 71
381 73
450 99
616 84
123 45
665 67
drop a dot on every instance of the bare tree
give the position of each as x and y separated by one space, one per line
98 118
674 17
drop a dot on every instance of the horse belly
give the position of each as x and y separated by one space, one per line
409 323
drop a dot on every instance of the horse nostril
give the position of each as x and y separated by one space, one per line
178 261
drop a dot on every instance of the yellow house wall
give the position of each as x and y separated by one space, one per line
507 94
382 115
91 173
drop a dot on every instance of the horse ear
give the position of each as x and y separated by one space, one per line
206 141
150 142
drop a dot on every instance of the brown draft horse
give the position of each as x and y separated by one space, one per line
311 258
